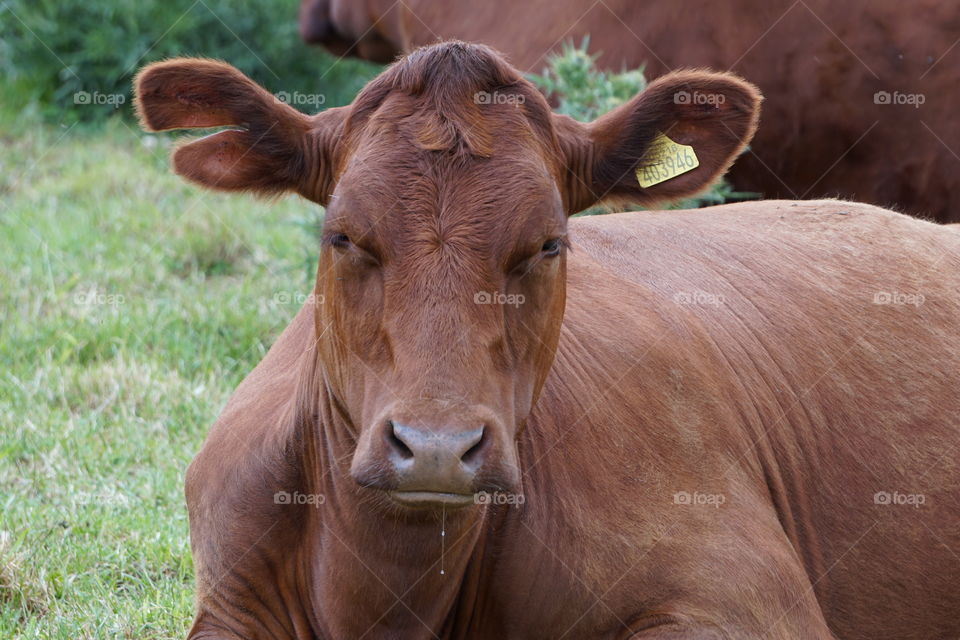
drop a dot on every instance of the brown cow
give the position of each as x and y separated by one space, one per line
860 95
734 422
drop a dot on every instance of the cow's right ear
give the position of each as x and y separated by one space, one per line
270 148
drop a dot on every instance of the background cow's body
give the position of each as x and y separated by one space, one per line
735 351
819 65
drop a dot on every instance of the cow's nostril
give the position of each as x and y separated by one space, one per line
475 452
396 443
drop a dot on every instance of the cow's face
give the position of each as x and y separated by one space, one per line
441 277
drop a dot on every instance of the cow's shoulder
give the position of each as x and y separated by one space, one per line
765 296
250 455
243 526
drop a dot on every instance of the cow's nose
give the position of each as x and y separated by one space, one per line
435 460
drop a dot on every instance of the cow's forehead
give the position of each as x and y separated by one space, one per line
426 215
400 186
402 124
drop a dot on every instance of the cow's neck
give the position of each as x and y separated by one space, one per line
374 567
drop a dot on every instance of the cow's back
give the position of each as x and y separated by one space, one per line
832 328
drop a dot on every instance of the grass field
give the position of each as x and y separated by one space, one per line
132 304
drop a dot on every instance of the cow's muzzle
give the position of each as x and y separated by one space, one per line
435 467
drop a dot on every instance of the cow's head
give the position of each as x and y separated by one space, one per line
447 183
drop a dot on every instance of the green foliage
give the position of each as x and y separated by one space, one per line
584 92
76 58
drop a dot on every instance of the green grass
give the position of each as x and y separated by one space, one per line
131 304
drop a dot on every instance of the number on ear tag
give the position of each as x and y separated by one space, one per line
665 159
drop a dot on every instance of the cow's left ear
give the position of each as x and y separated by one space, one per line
270 148
669 142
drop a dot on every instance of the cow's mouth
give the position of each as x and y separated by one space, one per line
432 499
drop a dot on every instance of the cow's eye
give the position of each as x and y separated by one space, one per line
339 241
552 247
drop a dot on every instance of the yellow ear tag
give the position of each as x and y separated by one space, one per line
665 159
